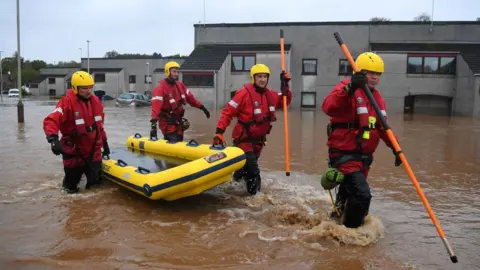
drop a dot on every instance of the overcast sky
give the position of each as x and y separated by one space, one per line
53 30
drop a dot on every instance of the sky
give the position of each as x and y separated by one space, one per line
54 30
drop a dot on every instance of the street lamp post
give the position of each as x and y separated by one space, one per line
20 112
1 78
88 56
147 86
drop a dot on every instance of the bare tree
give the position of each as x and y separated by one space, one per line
423 17
379 19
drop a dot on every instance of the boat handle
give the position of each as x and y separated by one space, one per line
137 135
192 142
106 157
143 170
121 163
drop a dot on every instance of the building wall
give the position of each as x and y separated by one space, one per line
464 89
44 87
395 83
114 84
229 81
136 67
476 90
318 42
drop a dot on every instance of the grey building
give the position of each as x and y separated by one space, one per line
53 81
119 75
429 67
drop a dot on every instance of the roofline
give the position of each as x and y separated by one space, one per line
406 52
198 70
61 67
274 24
134 58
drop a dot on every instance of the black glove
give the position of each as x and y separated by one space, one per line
398 161
285 77
106 149
57 148
153 129
205 111
359 79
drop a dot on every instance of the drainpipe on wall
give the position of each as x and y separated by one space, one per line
215 90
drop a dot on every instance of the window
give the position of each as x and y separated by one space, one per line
431 64
33 85
243 62
198 79
344 68
309 99
148 79
125 96
132 79
99 77
51 80
309 66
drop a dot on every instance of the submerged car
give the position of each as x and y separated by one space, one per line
133 100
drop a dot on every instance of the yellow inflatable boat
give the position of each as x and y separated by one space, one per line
158 169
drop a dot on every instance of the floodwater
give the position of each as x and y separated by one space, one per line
283 227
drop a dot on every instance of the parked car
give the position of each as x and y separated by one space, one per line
13 92
133 100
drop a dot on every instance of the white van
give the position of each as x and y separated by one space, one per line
13 92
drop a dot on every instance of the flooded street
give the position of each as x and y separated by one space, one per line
283 227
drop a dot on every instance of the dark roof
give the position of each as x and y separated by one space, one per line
470 52
158 70
44 76
134 57
335 23
212 56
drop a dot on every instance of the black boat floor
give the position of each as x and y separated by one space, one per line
154 163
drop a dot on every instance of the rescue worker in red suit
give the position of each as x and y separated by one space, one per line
79 117
168 99
354 133
254 106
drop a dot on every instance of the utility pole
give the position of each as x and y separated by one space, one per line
88 56
1 77
20 112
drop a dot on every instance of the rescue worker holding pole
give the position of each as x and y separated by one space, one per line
353 136
254 106
400 156
79 117
168 99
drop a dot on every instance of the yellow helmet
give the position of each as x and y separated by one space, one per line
169 65
258 69
81 78
370 61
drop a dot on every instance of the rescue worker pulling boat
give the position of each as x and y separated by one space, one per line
168 100
79 117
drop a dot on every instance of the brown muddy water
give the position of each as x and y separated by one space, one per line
283 227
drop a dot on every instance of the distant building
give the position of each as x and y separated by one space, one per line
53 81
432 69
119 75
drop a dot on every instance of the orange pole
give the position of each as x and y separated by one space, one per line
399 151
285 113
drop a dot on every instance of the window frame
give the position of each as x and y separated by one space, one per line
439 56
340 73
314 99
186 74
303 66
243 56
100 75
130 77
